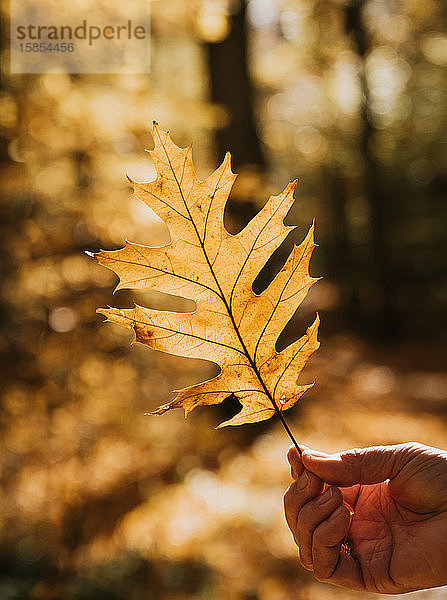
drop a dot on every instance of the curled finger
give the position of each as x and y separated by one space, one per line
326 543
310 516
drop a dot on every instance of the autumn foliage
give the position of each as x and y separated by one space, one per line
232 326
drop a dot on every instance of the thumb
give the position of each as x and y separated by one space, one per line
359 465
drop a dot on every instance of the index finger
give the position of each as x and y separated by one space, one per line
296 464
306 487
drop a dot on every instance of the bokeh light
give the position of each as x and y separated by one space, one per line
100 501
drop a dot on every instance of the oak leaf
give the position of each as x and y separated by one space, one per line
231 326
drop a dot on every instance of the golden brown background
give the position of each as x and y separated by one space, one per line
100 502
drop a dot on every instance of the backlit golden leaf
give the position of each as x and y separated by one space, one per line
231 326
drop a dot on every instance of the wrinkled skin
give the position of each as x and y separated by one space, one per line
389 503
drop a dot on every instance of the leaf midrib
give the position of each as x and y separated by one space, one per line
236 329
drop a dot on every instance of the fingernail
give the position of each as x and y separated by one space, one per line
292 457
303 481
325 497
305 455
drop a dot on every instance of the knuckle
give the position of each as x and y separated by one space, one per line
413 448
408 453
288 499
314 486
304 563
331 531
322 574
312 514
305 518
320 534
303 480
353 461
323 571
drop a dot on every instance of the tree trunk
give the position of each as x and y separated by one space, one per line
374 304
231 87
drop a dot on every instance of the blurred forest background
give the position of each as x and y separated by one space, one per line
100 502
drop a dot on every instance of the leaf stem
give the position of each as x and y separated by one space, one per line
290 434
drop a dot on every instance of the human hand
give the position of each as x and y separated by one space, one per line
381 523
